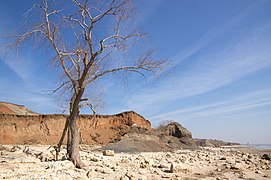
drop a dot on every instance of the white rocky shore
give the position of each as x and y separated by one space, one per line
36 162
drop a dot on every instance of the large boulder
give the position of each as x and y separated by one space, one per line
176 136
176 130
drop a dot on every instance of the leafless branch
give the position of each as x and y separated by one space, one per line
89 105
81 49
61 86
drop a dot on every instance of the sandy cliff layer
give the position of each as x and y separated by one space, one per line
10 108
47 129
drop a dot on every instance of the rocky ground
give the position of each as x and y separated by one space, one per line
36 162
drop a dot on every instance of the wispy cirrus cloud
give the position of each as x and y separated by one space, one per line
22 84
212 34
237 59
247 101
22 68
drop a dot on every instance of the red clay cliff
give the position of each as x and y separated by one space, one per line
47 129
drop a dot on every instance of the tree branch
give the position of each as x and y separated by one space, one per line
59 87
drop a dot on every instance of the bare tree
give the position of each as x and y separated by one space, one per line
86 38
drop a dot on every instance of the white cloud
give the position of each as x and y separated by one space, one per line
29 91
213 70
212 34
235 104
23 68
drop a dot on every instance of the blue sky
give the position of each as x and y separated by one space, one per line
217 83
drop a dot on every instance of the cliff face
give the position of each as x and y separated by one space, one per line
10 108
47 129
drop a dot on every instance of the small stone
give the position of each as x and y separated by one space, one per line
168 155
142 178
130 175
124 178
15 148
67 164
100 169
162 166
91 174
124 160
166 175
223 158
108 153
234 167
157 171
266 156
94 159
3 148
143 165
63 158
171 170
27 150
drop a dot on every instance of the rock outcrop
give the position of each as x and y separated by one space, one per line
176 136
170 137
47 129
174 129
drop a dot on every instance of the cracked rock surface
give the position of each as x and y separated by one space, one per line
37 162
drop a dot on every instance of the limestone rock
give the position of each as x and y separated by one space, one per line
171 170
15 148
108 152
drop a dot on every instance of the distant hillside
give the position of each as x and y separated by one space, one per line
10 108
213 143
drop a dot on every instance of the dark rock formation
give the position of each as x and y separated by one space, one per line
266 156
176 136
174 129
167 138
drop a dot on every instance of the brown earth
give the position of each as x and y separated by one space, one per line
124 132
10 108
47 129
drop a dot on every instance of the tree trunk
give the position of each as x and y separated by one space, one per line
73 144
58 146
73 134
69 139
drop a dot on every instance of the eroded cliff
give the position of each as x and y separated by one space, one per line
47 129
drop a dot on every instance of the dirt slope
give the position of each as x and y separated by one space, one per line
10 108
